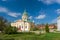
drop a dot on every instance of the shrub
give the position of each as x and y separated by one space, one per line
27 33
10 30
34 29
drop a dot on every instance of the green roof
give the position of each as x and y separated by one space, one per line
29 20
25 13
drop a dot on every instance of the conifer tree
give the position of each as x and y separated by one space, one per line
47 28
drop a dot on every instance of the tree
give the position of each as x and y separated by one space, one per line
10 30
5 26
34 29
47 28
3 23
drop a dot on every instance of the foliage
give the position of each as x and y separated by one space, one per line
10 30
26 33
47 36
34 29
5 26
47 28
3 23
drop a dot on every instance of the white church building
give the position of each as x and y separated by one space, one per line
58 23
22 24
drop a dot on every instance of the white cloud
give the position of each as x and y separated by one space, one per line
54 20
47 1
30 17
33 21
2 9
13 14
4 0
41 17
50 1
58 11
58 1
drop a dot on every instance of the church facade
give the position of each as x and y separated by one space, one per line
58 23
22 24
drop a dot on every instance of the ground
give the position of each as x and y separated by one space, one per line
47 36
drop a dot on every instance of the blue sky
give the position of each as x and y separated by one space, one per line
39 11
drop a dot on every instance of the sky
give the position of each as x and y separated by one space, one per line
39 11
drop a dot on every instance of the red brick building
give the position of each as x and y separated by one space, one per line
51 26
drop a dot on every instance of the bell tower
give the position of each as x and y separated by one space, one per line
25 16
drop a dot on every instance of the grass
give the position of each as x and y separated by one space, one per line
24 36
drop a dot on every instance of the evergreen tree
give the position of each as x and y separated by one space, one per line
47 28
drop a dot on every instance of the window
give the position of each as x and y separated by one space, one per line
22 26
25 26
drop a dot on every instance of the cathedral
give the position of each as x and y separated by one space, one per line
22 24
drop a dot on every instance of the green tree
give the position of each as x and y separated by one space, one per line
10 30
5 26
47 28
34 29
3 23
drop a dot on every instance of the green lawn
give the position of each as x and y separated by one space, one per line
47 36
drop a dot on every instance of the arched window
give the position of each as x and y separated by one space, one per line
22 26
19 28
25 26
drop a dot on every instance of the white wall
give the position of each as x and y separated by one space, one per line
58 25
25 26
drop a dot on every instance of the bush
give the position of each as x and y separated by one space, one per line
34 29
10 30
27 33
